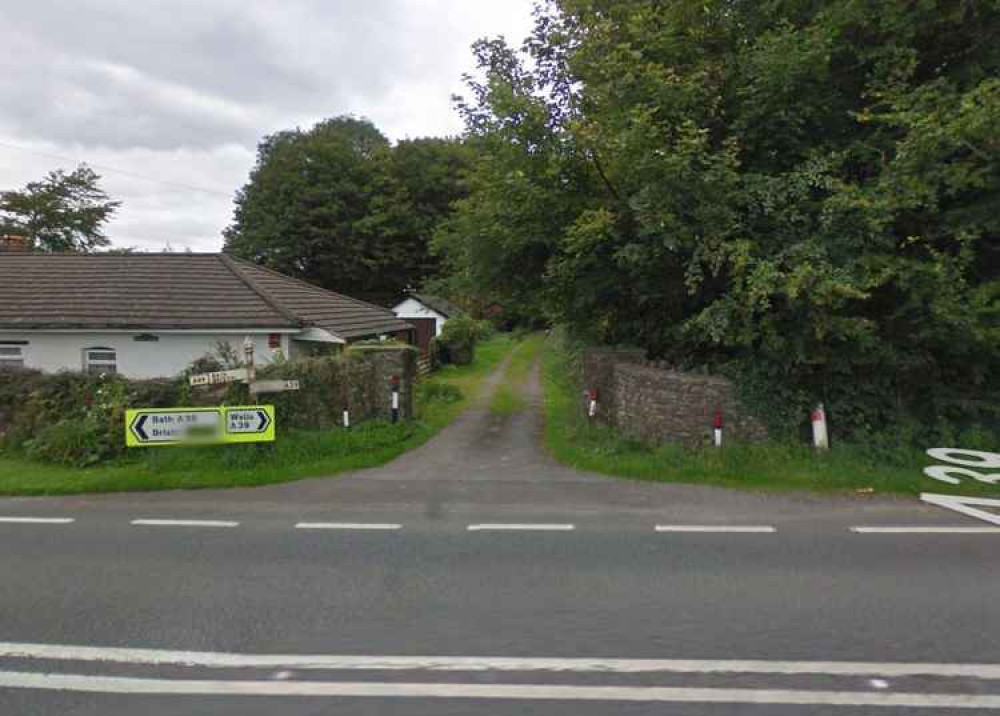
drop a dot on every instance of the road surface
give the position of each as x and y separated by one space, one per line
476 576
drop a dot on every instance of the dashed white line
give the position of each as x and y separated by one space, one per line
38 520
347 526
716 528
185 523
526 527
901 530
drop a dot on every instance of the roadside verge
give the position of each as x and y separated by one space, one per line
295 455
861 469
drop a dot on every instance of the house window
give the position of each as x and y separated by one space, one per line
100 360
11 357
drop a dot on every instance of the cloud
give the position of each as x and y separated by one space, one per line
183 91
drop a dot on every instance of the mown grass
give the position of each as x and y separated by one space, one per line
508 397
295 454
877 468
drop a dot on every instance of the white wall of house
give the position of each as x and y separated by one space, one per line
412 308
169 355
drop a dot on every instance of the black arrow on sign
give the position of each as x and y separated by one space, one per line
265 420
137 427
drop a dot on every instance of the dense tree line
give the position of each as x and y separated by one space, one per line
339 206
804 193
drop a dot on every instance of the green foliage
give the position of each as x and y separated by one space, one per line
457 341
885 461
78 443
62 212
446 393
340 207
79 419
805 193
297 453
328 386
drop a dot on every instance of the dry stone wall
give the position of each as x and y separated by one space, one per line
651 402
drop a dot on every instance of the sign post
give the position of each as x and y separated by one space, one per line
164 427
273 386
237 375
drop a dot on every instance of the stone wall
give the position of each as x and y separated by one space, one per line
387 362
599 372
651 402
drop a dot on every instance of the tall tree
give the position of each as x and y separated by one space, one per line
807 191
339 206
62 212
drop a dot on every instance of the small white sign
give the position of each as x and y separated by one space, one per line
273 386
222 376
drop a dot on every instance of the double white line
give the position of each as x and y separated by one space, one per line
495 691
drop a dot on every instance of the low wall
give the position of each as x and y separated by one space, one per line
399 361
653 403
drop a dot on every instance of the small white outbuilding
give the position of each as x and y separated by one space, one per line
427 314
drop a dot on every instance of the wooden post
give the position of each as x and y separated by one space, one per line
248 361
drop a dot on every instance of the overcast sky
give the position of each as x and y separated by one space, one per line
180 91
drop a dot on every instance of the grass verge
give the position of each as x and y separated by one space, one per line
508 398
295 455
879 468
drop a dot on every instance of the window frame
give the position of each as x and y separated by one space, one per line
11 356
100 366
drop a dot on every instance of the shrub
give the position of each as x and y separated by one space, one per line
457 341
79 443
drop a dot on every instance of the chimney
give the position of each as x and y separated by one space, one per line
10 243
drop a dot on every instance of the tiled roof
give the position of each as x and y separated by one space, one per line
171 291
436 303
345 316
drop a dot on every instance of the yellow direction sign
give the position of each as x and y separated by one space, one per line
163 427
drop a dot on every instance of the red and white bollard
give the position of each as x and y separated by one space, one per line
592 403
821 438
717 429
395 398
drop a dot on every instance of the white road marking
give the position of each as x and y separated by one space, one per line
534 692
38 520
185 523
903 530
334 662
526 527
879 684
715 528
347 526
966 506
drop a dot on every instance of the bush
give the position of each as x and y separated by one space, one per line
78 443
457 342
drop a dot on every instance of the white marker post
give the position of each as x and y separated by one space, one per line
717 428
248 362
347 419
821 439
395 398
592 405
